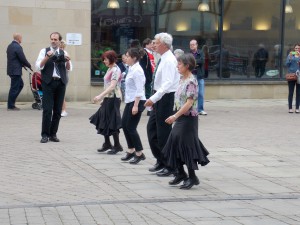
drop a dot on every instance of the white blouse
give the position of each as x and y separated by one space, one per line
135 83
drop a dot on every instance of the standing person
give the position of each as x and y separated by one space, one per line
166 78
15 61
108 117
135 100
53 64
124 70
148 64
64 107
260 60
292 62
198 72
183 145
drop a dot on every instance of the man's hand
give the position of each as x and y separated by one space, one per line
148 103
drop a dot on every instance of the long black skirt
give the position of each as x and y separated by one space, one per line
108 117
184 146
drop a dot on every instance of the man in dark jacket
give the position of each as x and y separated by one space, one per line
15 61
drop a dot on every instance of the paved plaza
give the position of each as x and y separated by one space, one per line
253 177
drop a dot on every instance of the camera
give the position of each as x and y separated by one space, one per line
57 58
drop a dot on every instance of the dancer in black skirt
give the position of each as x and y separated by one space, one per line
108 118
183 145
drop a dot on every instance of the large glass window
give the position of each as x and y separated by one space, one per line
112 28
187 20
252 38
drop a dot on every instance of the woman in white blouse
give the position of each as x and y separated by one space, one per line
135 100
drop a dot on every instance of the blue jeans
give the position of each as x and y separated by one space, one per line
200 95
16 86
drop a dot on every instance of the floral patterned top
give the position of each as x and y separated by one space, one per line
113 73
188 88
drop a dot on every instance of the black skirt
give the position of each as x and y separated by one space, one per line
184 146
108 117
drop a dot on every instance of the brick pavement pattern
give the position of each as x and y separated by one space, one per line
253 177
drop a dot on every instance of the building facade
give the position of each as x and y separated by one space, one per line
234 32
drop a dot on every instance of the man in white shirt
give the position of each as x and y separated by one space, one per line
165 82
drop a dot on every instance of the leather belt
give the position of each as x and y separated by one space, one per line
55 78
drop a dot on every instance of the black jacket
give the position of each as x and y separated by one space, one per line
16 59
198 71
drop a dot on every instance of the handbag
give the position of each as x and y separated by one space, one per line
291 76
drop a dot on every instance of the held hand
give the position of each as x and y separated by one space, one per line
170 120
67 58
134 110
50 53
148 103
97 98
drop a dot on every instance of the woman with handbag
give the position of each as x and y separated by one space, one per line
292 63
135 99
108 117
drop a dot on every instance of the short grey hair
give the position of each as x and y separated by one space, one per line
178 52
165 38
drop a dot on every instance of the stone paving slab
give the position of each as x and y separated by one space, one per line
253 177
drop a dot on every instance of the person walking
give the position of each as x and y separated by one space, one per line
15 61
292 63
165 82
183 145
135 99
108 117
54 65
198 72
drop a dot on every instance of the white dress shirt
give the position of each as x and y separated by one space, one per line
166 76
135 83
42 56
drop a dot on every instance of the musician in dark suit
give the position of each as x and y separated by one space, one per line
53 64
15 61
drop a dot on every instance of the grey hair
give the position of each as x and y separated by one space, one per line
165 38
178 52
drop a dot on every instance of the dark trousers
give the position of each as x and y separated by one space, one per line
157 129
129 125
16 86
53 97
260 68
292 85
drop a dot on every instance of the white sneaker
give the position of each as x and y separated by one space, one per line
64 113
203 113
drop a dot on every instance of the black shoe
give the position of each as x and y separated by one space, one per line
137 159
157 167
190 182
128 156
54 139
44 140
105 147
178 178
115 150
165 172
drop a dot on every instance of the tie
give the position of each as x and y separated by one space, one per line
153 78
56 69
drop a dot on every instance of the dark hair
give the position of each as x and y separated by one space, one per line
111 55
135 43
187 59
59 35
147 41
136 52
